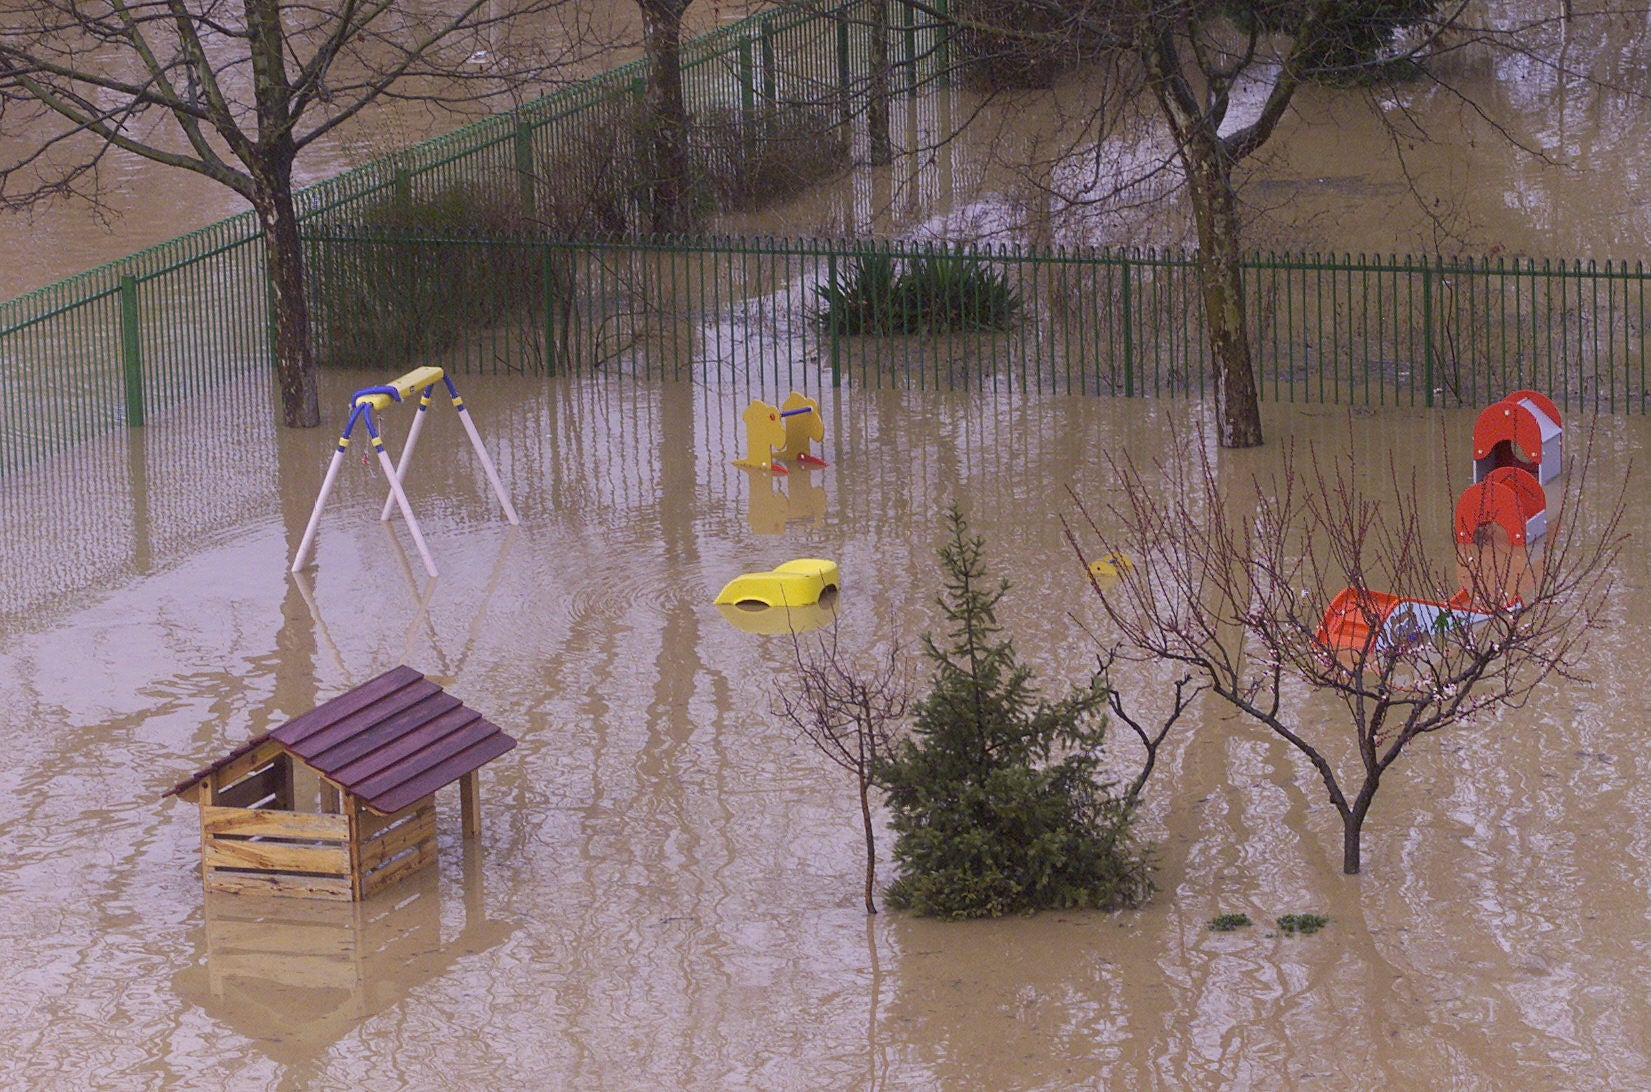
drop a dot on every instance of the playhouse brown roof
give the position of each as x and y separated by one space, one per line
390 741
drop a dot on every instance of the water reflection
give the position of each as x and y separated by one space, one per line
294 976
781 619
777 502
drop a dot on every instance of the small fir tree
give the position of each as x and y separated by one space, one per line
995 799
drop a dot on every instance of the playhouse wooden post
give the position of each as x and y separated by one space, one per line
470 804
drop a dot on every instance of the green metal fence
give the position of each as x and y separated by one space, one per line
136 337
1373 331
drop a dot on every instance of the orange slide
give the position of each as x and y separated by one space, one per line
1497 520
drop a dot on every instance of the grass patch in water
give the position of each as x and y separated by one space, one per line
1302 923
1226 923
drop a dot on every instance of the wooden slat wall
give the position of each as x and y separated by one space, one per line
424 855
396 849
269 823
276 852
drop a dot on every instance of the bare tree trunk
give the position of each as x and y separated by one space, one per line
871 844
1352 824
1352 833
667 115
284 258
877 106
1221 277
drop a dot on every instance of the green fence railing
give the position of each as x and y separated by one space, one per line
1374 331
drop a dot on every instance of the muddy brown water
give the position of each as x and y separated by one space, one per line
665 892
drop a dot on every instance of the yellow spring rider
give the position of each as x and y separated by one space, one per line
775 435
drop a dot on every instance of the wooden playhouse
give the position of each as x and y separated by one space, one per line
340 802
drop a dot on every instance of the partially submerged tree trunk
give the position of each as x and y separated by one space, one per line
284 258
1221 279
871 843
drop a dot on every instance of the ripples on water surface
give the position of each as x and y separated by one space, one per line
665 894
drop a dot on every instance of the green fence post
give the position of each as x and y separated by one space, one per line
1129 332
942 47
524 166
1427 332
131 351
748 77
770 79
403 184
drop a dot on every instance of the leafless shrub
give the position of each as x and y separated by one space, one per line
1231 580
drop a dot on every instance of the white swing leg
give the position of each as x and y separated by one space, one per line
487 465
406 510
406 457
303 556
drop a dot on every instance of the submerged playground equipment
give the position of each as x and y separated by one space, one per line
776 435
1499 522
363 403
797 583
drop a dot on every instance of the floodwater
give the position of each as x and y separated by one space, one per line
665 891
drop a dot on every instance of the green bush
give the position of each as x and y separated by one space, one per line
995 799
1227 923
929 293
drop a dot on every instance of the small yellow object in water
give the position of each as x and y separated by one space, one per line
1108 569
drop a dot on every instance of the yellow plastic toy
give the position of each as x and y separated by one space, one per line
773 434
803 423
1108 570
764 431
794 584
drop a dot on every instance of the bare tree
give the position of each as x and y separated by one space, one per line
666 116
850 716
1231 581
1152 739
236 89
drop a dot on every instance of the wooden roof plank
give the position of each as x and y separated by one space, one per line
336 750
321 737
478 755
379 750
344 705
414 763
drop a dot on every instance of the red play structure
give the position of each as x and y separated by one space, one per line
1517 448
